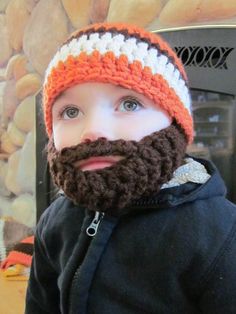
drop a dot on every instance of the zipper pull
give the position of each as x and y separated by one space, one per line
93 227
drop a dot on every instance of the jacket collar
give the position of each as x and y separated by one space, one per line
190 171
213 186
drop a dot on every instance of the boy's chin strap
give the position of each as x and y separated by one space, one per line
146 166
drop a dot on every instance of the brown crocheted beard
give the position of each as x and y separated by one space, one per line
146 165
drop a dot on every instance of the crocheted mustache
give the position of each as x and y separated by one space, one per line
144 167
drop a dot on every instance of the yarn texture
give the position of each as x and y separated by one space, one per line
147 164
123 55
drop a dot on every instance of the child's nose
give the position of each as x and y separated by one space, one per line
95 127
91 136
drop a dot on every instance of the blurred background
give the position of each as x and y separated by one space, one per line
203 34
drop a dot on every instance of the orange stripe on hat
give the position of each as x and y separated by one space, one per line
20 254
16 257
29 240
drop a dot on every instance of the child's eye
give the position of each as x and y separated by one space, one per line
130 105
70 113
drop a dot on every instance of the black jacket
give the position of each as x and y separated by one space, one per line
174 253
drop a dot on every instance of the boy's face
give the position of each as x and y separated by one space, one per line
89 111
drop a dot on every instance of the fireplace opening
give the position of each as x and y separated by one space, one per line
215 135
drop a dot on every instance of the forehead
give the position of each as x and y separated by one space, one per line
93 90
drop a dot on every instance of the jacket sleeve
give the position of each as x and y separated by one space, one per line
219 284
42 293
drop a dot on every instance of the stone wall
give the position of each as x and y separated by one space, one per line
30 32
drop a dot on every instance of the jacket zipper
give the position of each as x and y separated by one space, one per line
91 231
93 227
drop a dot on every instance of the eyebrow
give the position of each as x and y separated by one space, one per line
61 95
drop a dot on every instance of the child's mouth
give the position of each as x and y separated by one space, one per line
99 162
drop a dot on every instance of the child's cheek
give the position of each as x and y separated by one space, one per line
62 137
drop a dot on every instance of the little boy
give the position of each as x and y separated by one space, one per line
140 228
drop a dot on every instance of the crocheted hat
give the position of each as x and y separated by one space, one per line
17 264
124 55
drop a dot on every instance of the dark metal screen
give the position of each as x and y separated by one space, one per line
206 57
